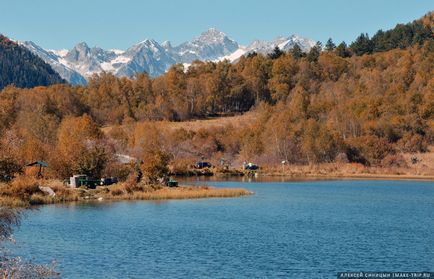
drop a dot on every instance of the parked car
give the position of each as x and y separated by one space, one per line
251 166
106 181
202 165
172 183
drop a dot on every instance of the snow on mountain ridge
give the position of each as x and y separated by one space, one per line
210 45
60 52
81 62
56 62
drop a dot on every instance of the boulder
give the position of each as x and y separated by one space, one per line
47 190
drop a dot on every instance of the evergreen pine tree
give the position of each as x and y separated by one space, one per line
362 45
296 51
379 41
314 52
252 54
276 53
342 50
330 46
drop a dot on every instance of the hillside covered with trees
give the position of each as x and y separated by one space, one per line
18 66
337 104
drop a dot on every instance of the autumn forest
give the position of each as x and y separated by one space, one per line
366 103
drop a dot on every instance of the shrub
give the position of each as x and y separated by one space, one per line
341 158
120 171
117 190
394 161
8 168
413 143
182 166
38 199
155 166
369 150
24 186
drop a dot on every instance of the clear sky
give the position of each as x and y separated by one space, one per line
56 24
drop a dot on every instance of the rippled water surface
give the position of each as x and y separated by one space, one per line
310 229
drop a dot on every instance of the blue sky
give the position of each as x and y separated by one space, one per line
56 24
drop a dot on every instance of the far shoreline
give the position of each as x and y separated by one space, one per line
396 177
308 177
325 171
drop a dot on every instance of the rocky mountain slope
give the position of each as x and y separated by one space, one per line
81 62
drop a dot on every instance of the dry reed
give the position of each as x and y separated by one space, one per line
184 192
22 194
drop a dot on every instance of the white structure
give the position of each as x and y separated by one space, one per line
74 181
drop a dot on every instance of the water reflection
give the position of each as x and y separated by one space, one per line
252 179
97 205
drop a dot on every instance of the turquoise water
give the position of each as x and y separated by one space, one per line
310 229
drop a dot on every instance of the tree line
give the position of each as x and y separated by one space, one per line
309 108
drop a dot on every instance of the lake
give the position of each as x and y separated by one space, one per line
292 229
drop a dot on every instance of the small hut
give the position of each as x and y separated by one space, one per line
40 165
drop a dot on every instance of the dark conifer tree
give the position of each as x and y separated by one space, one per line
342 50
296 52
362 45
330 46
402 36
252 54
276 53
314 52
379 41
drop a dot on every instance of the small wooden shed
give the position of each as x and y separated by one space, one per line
39 164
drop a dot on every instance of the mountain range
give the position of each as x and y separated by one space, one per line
81 62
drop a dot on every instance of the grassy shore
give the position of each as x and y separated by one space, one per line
25 191
325 171
178 193
366 176
352 171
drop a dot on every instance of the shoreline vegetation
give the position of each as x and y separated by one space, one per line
423 169
360 176
27 191
351 171
325 172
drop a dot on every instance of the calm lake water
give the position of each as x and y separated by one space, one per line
310 229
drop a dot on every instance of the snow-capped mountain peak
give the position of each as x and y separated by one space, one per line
167 45
60 52
283 43
117 51
210 45
82 61
57 62
147 42
212 36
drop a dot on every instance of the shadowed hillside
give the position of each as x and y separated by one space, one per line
18 66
